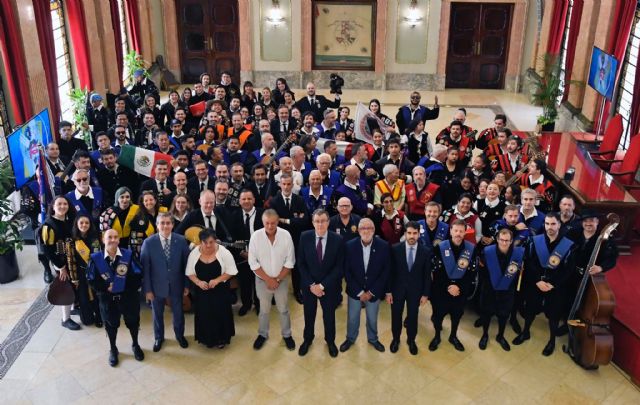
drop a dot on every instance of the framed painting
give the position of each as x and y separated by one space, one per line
344 34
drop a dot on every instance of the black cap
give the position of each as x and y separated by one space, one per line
589 213
175 122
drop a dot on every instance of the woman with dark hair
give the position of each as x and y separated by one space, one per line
267 99
289 99
464 211
85 242
120 216
374 107
418 141
56 238
168 109
205 80
279 91
490 209
257 113
186 96
295 113
512 194
390 222
143 224
209 267
249 96
308 144
180 207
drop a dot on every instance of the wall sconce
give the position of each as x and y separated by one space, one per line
275 14
413 17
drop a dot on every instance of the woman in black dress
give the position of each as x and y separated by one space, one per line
209 268
86 242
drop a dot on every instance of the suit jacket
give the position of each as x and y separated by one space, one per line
110 181
414 283
318 107
162 278
376 276
195 218
328 272
277 133
193 189
151 185
265 193
238 229
298 215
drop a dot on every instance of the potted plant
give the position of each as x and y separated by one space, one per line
548 91
10 239
132 62
79 99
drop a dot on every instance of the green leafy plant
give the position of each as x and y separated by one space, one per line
132 62
79 107
10 239
548 88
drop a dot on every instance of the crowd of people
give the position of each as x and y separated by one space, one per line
250 201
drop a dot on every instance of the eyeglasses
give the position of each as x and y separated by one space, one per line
344 206
415 98
504 240
82 180
120 133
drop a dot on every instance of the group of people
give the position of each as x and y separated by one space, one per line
251 202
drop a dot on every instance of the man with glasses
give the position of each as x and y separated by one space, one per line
367 269
503 263
85 199
413 110
120 133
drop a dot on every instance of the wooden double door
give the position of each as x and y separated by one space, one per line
209 40
478 45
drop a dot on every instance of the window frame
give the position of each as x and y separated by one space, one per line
66 81
124 34
563 52
626 83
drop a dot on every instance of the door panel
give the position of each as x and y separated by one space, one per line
208 33
478 45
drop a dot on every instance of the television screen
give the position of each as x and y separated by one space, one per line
23 146
602 74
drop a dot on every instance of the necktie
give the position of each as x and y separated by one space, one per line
167 249
201 187
287 203
319 249
410 258
284 125
247 224
161 185
209 221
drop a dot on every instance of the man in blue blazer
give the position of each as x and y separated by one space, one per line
164 260
366 269
320 258
410 282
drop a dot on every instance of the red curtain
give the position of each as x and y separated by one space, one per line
78 31
558 23
618 40
115 21
14 64
42 12
574 31
133 18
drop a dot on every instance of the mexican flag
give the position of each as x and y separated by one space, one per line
142 160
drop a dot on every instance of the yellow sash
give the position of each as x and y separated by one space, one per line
397 188
125 230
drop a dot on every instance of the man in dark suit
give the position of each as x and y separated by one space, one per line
366 269
410 283
164 260
294 218
113 176
414 110
316 104
263 187
208 216
161 184
282 126
320 262
200 182
246 221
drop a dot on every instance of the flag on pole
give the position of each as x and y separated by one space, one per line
344 147
46 183
141 160
361 125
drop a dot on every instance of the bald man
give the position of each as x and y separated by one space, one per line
315 103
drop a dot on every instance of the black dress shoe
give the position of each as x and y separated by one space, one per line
345 346
98 323
515 325
113 358
138 354
298 296
243 311
456 343
290 343
48 276
413 348
394 346
70 324
483 342
304 348
549 348
435 342
157 345
563 330
182 341
378 346
503 343
477 323
521 338
333 350
259 342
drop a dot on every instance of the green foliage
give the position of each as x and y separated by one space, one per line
547 88
132 62
10 239
79 107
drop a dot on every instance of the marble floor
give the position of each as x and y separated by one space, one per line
61 366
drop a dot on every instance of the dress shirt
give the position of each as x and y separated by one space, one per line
415 251
223 256
324 242
118 253
212 217
165 182
366 253
271 257
252 219
79 196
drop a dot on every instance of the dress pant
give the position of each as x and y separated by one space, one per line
353 319
281 295
397 310
328 303
157 309
113 306
442 304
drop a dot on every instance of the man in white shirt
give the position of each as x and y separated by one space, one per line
272 257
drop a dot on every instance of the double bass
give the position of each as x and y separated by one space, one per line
590 339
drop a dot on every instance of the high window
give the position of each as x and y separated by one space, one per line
628 80
63 62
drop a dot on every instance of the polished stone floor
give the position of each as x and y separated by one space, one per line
61 366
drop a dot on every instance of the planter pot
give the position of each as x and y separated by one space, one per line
9 270
550 127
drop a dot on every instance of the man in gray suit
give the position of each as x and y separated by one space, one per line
164 259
